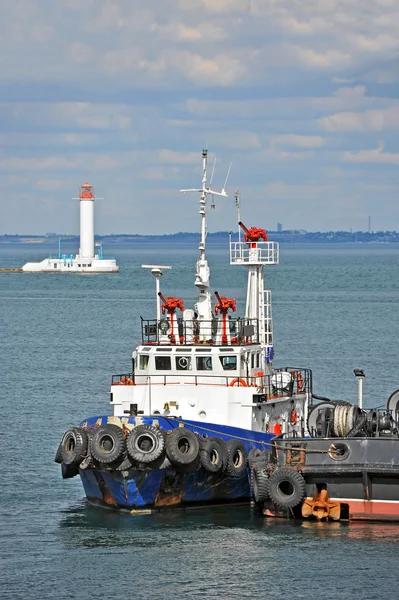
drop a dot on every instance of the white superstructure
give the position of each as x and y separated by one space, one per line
206 364
86 261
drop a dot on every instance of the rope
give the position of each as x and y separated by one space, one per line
231 435
271 444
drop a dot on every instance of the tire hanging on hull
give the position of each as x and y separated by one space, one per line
286 487
145 444
74 445
108 444
212 455
182 446
236 458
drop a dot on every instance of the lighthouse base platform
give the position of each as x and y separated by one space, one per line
72 264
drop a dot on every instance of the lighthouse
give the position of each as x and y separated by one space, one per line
86 261
86 197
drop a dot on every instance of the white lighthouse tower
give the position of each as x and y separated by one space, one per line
86 261
86 197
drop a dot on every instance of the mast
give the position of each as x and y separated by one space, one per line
203 306
254 253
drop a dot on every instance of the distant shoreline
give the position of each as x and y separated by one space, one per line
290 237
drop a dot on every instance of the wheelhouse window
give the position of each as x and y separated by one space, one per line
204 363
183 363
229 363
143 361
163 363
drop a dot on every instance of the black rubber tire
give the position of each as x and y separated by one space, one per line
223 445
259 481
212 455
58 454
74 446
125 463
69 471
108 444
145 443
162 462
236 458
191 468
286 487
182 446
253 454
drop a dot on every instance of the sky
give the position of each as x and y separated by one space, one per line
301 96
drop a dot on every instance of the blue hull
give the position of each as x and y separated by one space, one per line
159 488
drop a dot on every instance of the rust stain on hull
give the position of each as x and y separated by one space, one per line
106 494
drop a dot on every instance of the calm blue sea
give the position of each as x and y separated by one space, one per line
63 336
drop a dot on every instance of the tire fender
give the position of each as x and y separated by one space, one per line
236 458
286 487
145 443
182 446
259 482
212 455
108 444
73 446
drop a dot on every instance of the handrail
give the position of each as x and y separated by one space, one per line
282 382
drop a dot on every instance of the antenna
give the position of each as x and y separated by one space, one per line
227 176
213 171
238 205
205 191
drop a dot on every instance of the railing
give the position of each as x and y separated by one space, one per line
193 332
258 253
282 383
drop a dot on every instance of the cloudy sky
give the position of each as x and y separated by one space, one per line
300 95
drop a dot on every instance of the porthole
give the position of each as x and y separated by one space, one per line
338 451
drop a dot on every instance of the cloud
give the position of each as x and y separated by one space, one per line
128 93
369 120
376 155
280 189
330 59
170 156
299 141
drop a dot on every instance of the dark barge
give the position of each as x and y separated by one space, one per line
351 476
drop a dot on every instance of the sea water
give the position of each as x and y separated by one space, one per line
63 336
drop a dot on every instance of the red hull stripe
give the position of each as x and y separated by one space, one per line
370 509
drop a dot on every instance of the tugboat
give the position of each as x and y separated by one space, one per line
202 401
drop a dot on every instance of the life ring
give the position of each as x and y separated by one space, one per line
108 444
74 446
238 380
286 487
145 443
299 381
294 417
126 381
182 446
